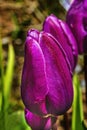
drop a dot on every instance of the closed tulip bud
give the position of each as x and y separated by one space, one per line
46 86
60 30
77 21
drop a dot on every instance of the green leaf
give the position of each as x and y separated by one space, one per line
0 73
2 77
84 125
16 121
9 74
77 115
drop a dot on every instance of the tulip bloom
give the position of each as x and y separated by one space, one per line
77 21
46 86
60 30
45 75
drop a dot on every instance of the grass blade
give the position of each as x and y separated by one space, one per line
77 116
9 73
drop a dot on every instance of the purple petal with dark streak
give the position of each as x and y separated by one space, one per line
60 94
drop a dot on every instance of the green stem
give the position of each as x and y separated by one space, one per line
85 68
66 122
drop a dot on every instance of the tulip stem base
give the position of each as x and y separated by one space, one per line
66 122
85 69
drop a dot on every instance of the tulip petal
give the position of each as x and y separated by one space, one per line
60 95
59 30
37 122
34 34
34 85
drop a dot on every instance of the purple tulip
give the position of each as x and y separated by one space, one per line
37 122
60 30
46 86
77 20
